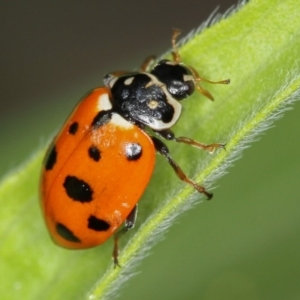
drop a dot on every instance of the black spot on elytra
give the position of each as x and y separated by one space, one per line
51 159
78 189
94 153
133 151
73 128
97 224
102 118
66 233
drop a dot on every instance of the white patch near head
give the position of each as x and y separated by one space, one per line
171 63
121 122
129 80
188 78
104 103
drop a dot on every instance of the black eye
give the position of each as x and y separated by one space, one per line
190 87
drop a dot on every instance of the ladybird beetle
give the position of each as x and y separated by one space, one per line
100 163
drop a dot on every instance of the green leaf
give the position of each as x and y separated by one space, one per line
258 49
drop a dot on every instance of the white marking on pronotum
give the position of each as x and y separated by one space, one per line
153 104
129 80
188 78
171 63
104 103
158 124
119 121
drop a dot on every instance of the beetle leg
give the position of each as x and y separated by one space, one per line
169 135
163 149
148 63
129 224
175 52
